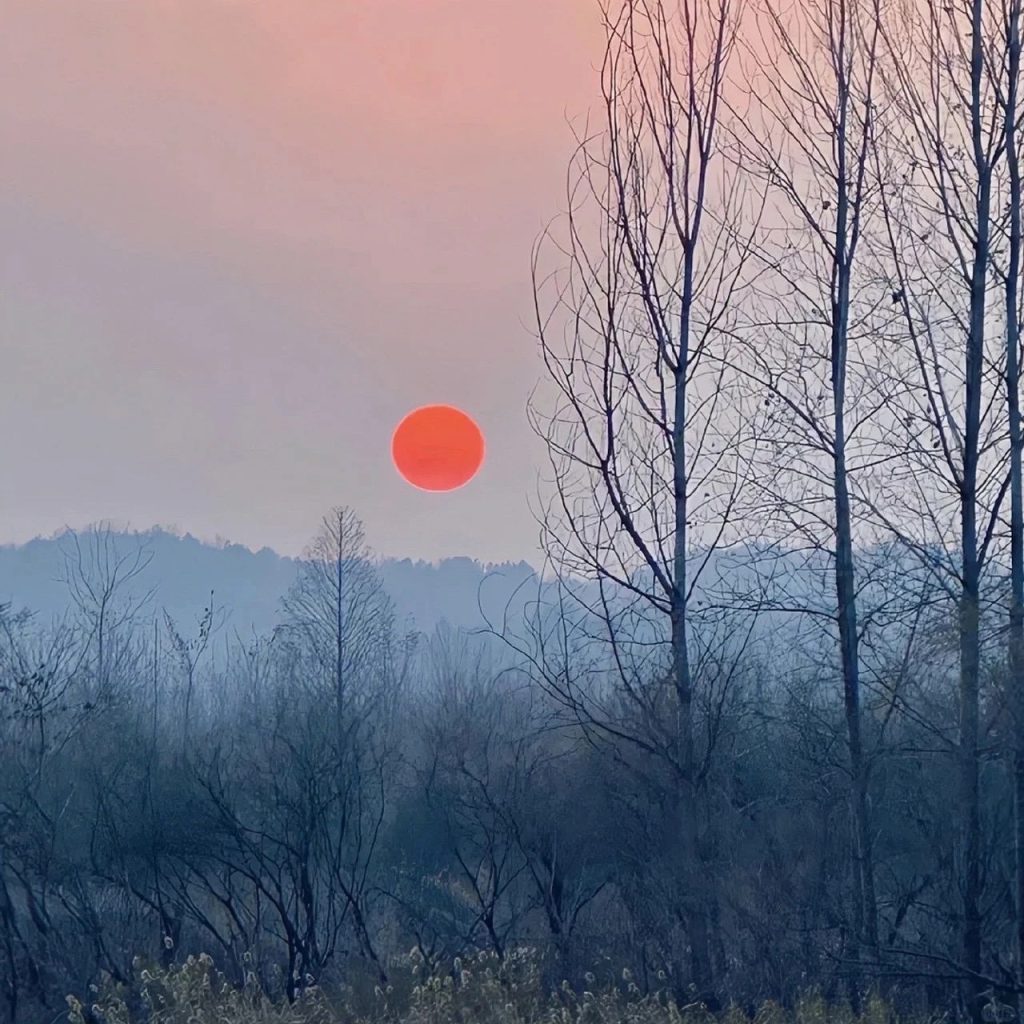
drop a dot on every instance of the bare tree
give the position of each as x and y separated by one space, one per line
643 439
99 573
938 167
806 132
339 611
39 714
189 653
1015 638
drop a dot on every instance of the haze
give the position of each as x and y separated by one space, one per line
243 239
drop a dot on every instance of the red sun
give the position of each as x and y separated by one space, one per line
437 448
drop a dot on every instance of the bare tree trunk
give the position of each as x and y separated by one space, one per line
867 908
970 643
817 96
694 884
339 638
955 122
846 589
1015 652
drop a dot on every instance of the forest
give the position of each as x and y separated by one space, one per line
758 736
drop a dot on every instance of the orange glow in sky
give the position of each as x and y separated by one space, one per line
196 186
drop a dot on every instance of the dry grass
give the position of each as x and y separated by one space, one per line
479 990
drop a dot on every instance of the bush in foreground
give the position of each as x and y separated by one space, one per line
479 990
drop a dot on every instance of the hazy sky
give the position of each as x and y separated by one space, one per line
241 238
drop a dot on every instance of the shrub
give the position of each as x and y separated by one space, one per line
479 989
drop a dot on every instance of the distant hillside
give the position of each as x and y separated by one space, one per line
248 585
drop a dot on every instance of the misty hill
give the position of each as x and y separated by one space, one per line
248 585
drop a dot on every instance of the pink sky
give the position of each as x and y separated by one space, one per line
244 237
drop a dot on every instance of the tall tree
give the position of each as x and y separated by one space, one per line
1015 640
938 168
806 133
644 441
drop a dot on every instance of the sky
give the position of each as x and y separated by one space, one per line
242 238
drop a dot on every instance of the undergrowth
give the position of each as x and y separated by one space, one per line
478 990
